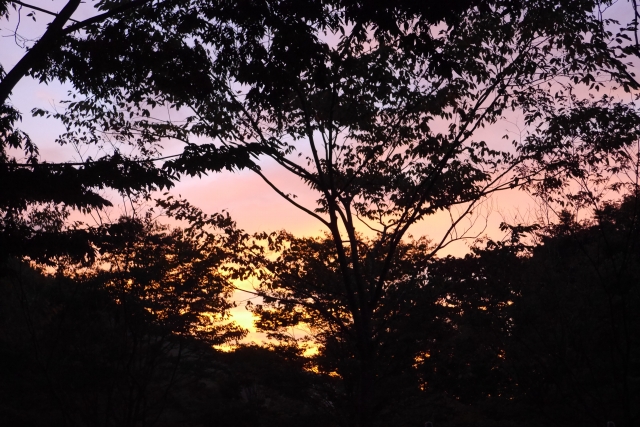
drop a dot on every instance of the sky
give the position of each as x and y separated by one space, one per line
251 203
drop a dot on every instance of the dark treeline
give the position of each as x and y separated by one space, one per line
110 317
511 334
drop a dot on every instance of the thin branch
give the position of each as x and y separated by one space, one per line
39 9
301 302
289 199
104 16
89 162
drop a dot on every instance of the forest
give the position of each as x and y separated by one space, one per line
379 121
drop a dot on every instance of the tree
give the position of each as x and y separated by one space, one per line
176 275
584 341
374 108
305 305
464 368
34 209
559 317
113 343
551 313
35 60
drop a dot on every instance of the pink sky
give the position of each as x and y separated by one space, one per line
251 203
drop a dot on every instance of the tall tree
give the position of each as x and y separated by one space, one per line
591 291
374 107
557 316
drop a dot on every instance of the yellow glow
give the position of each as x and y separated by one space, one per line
420 358
310 351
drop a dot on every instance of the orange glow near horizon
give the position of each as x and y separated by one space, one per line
256 207
249 200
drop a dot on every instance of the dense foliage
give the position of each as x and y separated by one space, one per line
378 108
71 355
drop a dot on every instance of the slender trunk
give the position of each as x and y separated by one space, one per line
366 392
365 387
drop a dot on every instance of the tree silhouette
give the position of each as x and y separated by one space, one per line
375 109
34 209
581 336
113 343
304 304
546 332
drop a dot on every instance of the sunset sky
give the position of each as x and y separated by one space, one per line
251 203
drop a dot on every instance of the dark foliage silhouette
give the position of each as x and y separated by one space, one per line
377 108
546 331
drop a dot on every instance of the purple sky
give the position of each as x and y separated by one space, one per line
253 205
